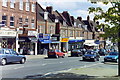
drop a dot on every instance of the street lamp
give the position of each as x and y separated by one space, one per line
17 45
45 18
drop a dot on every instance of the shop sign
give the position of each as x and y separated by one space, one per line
64 40
7 33
44 36
54 38
32 33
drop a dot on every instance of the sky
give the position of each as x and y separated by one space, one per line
74 7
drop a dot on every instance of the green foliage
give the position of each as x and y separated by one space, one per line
111 18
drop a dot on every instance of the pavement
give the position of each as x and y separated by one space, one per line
99 71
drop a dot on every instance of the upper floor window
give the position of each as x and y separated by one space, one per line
33 7
21 4
12 3
71 33
20 22
4 3
32 23
27 5
4 20
11 21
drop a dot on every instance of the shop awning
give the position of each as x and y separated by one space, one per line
45 41
91 44
55 42
74 41
32 38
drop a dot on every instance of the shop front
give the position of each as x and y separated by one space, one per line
43 43
55 41
64 44
8 39
75 44
90 44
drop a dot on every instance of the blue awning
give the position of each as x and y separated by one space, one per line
74 41
97 42
45 41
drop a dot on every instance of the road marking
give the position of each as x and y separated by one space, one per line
44 64
86 66
19 67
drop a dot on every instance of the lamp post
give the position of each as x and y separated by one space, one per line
17 38
46 18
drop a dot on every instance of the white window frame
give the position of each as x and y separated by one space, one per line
13 21
21 4
33 27
5 20
33 8
4 3
12 3
27 6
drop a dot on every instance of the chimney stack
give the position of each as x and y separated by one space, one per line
49 9
88 17
79 18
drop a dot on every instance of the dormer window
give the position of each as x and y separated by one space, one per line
75 24
79 25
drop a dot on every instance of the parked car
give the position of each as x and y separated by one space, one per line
9 55
55 53
102 52
91 55
112 56
76 52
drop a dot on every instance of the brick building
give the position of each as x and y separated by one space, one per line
19 14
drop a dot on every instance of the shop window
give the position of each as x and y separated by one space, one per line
12 3
33 7
4 20
12 21
81 33
4 3
20 22
32 23
21 4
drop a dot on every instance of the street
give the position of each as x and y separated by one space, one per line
46 66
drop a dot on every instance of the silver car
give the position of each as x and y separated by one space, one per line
9 55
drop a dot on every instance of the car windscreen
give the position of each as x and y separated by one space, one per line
75 50
1 51
51 50
113 53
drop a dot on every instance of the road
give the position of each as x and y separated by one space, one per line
46 66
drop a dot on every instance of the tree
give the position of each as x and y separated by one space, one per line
111 26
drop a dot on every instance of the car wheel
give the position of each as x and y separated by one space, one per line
84 59
94 59
22 61
117 61
78 55
57 56
3 62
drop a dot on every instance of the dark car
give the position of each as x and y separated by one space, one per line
113 56
76 52
55 53
91 55
9 55
102 52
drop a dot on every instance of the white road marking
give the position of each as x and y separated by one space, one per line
19 67
44 64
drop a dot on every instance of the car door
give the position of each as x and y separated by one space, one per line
7 55
15 56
